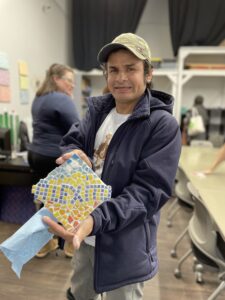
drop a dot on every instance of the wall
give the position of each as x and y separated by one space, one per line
154 28
37 32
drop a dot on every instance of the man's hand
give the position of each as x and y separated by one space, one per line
68 155
76 236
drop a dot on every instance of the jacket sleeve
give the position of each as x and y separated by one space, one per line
151 184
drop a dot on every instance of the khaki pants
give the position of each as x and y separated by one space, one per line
82 280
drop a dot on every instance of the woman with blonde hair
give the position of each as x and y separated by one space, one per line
53 113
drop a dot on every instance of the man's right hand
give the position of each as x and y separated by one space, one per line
76 236
68 155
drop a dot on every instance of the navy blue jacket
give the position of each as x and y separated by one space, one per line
140 165
53 114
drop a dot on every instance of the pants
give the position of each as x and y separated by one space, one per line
82 279
41 165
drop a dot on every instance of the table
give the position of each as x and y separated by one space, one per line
211 187
15 172
16 200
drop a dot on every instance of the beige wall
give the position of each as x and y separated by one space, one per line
37 32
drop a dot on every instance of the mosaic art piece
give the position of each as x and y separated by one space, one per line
71 192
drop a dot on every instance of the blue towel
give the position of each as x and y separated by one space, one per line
27 240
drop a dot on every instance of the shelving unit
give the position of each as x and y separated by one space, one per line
170 75
97 83
200 55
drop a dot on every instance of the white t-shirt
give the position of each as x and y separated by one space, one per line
103 137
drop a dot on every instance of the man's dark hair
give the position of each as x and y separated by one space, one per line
147 69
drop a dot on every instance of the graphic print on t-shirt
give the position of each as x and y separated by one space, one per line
104 136
100 152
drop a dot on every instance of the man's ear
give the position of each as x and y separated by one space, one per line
149 77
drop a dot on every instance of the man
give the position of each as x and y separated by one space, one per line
140 146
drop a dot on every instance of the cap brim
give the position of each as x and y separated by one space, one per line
106 50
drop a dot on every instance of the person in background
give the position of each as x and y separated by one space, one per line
200 109
53 113
218 160
140 144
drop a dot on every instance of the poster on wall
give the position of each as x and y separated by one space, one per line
5 94
4 61
23 82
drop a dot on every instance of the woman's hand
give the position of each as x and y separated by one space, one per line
68 155
208 171
76 236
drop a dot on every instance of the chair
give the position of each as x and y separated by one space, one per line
204 244
23 136
214 129
215 117
183 197
187 198
183 200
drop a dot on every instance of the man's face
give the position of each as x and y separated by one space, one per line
125 78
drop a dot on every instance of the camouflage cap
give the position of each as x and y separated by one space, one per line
132 42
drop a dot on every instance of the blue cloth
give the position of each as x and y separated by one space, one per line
52 114
27 240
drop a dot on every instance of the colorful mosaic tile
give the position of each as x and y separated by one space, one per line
71 192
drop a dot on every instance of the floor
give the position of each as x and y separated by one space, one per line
48 278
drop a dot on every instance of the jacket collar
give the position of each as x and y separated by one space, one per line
104 104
